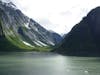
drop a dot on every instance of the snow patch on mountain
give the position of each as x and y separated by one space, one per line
6 1
27 25
51 43
37 43
42 43
27 44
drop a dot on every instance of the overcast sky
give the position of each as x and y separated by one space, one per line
57 15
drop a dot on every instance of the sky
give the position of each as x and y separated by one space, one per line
57 15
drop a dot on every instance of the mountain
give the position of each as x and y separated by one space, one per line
21 32
84 38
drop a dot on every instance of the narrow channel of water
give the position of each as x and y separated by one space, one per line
33 63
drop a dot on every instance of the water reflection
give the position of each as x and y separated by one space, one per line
47 64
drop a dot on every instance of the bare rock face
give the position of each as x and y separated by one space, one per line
22 31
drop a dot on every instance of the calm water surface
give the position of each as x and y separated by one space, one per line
33 63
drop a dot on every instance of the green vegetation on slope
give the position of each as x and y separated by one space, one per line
13 43
6 44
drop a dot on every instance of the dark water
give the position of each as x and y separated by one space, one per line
33 63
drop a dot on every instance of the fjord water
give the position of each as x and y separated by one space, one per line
34 63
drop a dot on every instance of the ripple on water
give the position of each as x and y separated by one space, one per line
86 72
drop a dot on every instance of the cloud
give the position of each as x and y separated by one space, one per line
58 15
46 23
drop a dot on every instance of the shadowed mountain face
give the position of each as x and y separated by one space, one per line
84 38
94 23
23 32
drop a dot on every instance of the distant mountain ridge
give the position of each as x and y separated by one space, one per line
23 32
84 38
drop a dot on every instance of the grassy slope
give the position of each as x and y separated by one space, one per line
10 43
5 45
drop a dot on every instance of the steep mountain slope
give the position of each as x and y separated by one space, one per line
84 38
22 31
